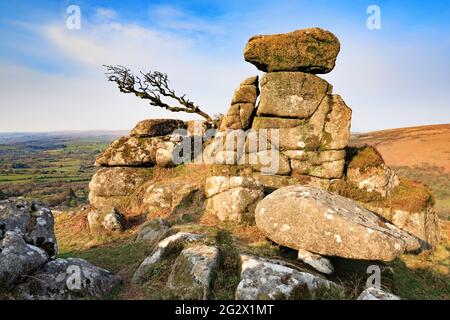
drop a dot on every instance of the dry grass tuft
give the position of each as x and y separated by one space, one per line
411 196
363 158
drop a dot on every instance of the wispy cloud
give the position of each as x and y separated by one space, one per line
175 18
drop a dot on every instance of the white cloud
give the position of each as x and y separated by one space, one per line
83 99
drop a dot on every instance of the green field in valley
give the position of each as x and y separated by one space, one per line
53 167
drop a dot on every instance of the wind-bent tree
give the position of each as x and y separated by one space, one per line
152 86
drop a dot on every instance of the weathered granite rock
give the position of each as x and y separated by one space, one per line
197 127
239 116
233 198
311 50
336 132
291 94
114 221
129 151
165 156
171 243
168 196
140 152
424 224
315 220
319 263
326 164
193 271
374 293
247 92
264 279
275 123
269 162
67 279
153 230
367 171
94 220
18 259
33 221
327 170
156 127
298 138
315 157
111 187
108 219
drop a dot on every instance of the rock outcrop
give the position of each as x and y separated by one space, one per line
68 279
32 221
266 279
315 220
27 247
18 259
111 187
367 171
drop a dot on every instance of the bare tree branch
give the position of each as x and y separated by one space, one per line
152 86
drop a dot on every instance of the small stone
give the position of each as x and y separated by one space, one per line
153 230
319 263
114 221
192 272
178 239
374 293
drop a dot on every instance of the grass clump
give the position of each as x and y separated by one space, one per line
350 190
437 178
228 273
411 196
363 158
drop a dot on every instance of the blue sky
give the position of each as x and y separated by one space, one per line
51 78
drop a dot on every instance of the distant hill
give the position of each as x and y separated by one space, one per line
419 153
416 146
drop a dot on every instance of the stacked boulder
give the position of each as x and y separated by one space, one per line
298 117
299 130
28 265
